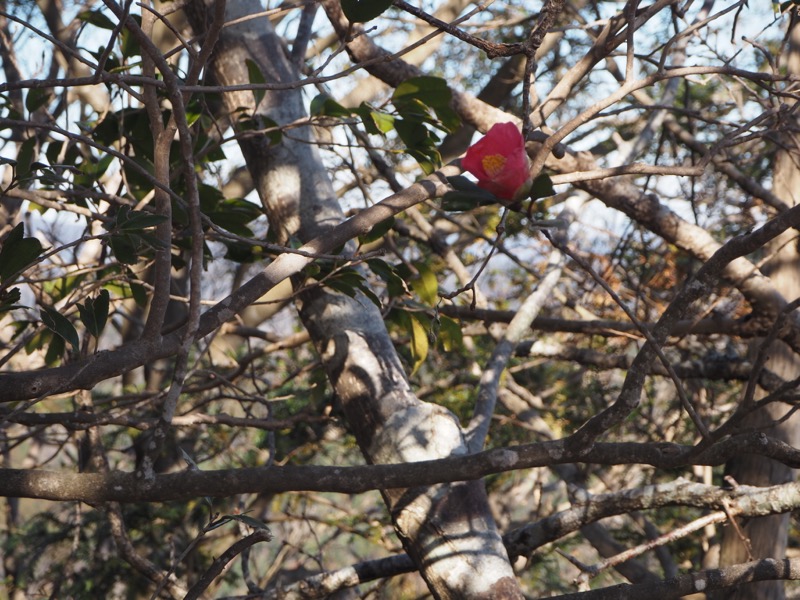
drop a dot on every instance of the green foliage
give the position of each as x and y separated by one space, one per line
61 326
9 299
17 252
361 11
37 98
395 282
422 106
256 77
94 313
466 195
97 18
231 214
416 326
542 187
347 280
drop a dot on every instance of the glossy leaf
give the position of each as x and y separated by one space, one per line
94 313
61 326
325 105
124 249
234 214
375 121
395 284
417 94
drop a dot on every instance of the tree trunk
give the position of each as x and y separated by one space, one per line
768 535
447 529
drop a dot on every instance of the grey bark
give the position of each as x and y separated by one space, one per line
766 537
447 529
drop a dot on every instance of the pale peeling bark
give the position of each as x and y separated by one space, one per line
767 536
447 529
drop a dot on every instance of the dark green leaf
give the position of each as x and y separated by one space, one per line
61 326
9 299
55 349
429 159
371 295
416 95
433 91
125 251
96 18
36 98
361 11
464 201
94 313
324 105
17 252
413 133
395 284
155 242
136 220
25 157
139 293
256 77
542 187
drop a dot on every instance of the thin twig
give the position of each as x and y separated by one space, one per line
675 534
492 50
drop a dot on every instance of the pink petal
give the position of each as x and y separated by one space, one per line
506 140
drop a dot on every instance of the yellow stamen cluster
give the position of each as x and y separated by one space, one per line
493 164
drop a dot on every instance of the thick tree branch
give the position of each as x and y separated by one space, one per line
692 583
126 487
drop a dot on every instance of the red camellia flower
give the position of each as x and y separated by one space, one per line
500 162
